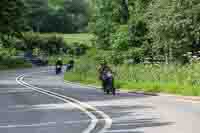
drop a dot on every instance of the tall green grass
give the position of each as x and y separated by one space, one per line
173 78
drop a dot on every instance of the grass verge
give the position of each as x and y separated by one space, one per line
14 64
173 79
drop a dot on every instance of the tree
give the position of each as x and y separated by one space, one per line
65 16
78 13
13 22
175 26
38 11
102 24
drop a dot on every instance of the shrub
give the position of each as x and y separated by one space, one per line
51 44
120 40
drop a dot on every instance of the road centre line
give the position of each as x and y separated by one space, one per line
94 119
45 124
80 105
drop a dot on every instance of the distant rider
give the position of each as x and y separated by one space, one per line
59 65
70 65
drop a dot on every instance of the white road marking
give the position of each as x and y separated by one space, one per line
44 124
42 107
15 91
107 119
80 105
94 119
123 131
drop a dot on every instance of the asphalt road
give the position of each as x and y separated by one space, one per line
42 103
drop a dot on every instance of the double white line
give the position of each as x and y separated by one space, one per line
87 109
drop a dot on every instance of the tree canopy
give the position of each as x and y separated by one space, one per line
166 29
64 16
12 15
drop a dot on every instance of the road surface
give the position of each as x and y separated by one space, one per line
42 103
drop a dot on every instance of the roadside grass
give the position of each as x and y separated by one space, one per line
83 72
14 64
173 78
80 38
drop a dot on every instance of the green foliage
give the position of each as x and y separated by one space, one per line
56 44
38 10
120 11
51 44
135 56
12 15
174 26
56 3
8 59
167 28
13 22
64 16
13 63
102 25
105 24
120 39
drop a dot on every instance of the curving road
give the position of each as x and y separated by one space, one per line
42 103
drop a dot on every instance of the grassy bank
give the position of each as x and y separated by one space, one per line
14 64
175 79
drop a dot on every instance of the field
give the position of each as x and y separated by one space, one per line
74 38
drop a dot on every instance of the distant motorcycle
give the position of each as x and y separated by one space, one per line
58 69
108 80
70 66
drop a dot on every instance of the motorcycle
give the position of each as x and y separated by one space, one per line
69 67
58 69
109 83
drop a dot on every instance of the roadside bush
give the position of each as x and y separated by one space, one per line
136 55
8 59
120 40
54 44
78 49
51 44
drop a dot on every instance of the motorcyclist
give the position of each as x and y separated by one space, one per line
70 65
105 73
59 65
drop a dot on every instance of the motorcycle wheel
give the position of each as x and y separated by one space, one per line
113 91
108 91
